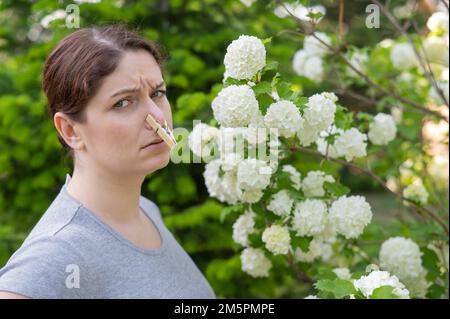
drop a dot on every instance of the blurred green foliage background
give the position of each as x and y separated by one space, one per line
195 34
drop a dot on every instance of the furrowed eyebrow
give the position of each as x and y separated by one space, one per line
134 89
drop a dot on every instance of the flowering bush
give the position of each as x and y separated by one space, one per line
314 228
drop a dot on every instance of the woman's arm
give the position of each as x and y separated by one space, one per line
11 295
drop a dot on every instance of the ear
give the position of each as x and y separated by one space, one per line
68 130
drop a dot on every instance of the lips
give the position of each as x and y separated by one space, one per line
154 142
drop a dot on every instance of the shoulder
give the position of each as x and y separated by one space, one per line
150 206
40 268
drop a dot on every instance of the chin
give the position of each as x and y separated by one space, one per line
158 162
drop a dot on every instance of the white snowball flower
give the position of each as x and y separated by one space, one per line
403 56
307 134
312 184
281 203
308 65
242 227
438 22
403 258
201 139
367 284
229 191
295 175
299 11
245 57
322 145
416 192
358 60
310 217
255 263
316 249
229 140
351 144
283 115
302 12
319 111
213 181
382 130
436 50
230 161
342 273
235 106
277 239
314 46
350 215
253 174
248 3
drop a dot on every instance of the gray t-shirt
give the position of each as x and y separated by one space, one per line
71 253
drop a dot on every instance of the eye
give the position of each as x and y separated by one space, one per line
158 93
123 103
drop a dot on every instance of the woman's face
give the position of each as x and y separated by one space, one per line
115 131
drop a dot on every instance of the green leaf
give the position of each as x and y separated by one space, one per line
230 209
336 189
301 241
431 262
284 90
383 292
255 240
263 87
338 287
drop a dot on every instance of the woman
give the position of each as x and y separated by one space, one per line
100 238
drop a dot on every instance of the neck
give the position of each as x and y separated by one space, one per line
109 196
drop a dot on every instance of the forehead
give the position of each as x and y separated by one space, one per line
133 67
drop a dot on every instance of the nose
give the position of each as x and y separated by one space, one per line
155 111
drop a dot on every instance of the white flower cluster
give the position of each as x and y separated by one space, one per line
350 215
351 144
284 116
255 263
242 227
438 22
403 56
402 258
281 203
235 106
416 192
358 60
202 139
277 239
310 217
347 143
382 130
318 115
299 11
376 279
436 50
308 62
245 57
312 184
243 181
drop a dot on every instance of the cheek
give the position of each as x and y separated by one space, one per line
114 137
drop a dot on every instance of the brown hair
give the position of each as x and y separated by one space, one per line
74 70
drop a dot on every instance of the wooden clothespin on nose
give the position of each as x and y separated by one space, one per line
163 131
